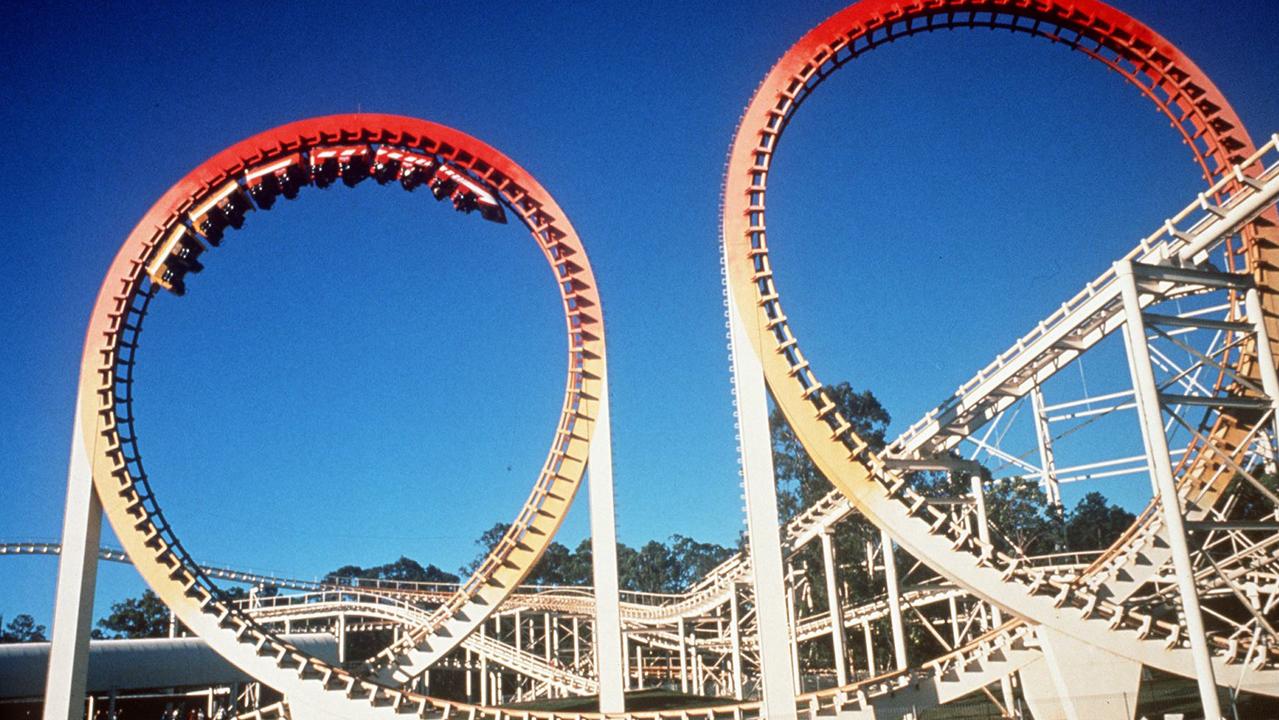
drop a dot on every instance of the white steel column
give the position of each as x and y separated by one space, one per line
341 638
762 524
866 634
77 577
837 638
894 599
791 616
1049 480
610 664
870 649
468 661
1151 416
683 656
1265 358
627 684
639 666
983 534
736 636
484 668
577 647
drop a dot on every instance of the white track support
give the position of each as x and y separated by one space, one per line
639 666
762 524
894 599
1044 435
1265 358
468 661
577 644
870 648
791 616
983 534
839 641
77 577
1156 444
341 638
735 635
484 669
683 655
610 663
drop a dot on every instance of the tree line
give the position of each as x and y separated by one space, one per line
1020 518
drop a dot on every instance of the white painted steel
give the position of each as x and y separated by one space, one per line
1151 417
610 660
755 446
77 577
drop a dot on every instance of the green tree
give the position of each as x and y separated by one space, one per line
21 629
695 559
1094 523
799 482
140 617
405 569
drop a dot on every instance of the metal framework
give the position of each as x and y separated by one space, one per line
164 249
1191 588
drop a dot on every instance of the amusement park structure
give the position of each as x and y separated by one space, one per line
1190 589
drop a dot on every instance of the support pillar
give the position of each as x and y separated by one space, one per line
1265 364
838 640
639 666
894 600
484 669
468 661
736 638
1160 466
983 534
791 616
759 482
1052 488
341 638
610 663
628 684
683 656
577 648
870 649
1077 681
77 578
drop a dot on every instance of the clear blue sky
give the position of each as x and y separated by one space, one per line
362 374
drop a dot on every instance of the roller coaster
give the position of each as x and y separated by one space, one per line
1190 589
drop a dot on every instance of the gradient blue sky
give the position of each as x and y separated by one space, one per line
362 373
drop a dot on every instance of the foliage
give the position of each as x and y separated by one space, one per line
655 567
21 629
799 482
1250 503
404 569
1094 523
140 617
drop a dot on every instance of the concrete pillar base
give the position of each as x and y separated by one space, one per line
1075 681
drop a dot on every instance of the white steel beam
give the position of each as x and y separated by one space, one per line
610 663
736 639
1156 443
838 640
983 534
77 577
894 599
759 482
1044 436
1265 360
